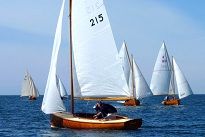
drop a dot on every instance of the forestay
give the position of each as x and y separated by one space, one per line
52 100
183 86
97 64
162 73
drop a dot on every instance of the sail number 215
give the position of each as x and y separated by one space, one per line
96 20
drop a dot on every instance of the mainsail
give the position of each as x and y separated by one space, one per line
28 87
183 86
125 60
160 81
97 63
172 85
52 101
141 88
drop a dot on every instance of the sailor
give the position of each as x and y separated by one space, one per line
166 98
103 110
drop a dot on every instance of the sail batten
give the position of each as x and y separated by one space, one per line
98 69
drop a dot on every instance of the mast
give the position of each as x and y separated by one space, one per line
170 66
133 79
173 76
71 59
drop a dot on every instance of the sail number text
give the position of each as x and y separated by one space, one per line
96 20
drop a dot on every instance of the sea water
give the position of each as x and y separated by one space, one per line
21 117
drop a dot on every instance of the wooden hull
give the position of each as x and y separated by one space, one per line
85 121
171 102
132 102
32 98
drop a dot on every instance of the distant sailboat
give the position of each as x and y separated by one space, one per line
137 84
61 88
97 69
182 86
161 75
127 68
28 87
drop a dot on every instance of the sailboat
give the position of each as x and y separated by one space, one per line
97 69
181 83
137 84
61 88
127 68
28 87
161 75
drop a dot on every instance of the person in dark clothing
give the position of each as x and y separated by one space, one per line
103 110
166 98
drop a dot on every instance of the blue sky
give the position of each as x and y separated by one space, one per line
27 30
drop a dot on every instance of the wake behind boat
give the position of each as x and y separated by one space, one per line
98 74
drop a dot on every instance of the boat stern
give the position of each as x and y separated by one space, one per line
133 124
56 121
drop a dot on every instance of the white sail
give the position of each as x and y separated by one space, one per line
172 85
162 73
34 90
172 90
62 89
28 87
131 84
142 89
98 68
125 60
52 100
183 86
25 91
